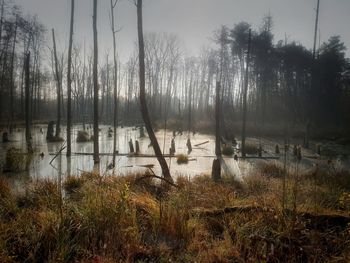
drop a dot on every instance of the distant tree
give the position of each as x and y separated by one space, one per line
330 68
245 96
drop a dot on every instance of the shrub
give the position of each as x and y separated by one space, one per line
83 136
227 150
182 159
251 148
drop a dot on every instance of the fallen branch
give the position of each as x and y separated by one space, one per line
199 144
153 175
59 152
315 221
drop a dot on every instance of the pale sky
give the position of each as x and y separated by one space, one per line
193 20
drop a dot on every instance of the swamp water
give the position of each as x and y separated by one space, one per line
201 157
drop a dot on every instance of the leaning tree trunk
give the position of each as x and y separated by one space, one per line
69 84
245 97
27 103
59 88
143 103
95 77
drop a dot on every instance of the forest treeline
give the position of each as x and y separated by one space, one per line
288 83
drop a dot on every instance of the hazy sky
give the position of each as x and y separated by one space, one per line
193 20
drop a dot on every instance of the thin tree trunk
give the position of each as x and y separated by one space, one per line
217 121
12 74
95 77
58 80
143 103
69 84
115 83
27 103
216 169
245 97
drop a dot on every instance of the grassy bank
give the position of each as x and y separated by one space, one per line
136 219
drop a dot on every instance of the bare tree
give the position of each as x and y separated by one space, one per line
245 91
115 82
143 103
59 86
27 103
69 84
95 80
216 169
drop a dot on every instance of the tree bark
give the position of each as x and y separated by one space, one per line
69 84
95 80
143 103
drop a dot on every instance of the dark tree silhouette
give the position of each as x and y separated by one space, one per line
143 103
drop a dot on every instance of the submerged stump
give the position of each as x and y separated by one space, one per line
50 131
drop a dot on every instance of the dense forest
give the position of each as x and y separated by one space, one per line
239 152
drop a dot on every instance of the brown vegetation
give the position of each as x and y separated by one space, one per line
135 219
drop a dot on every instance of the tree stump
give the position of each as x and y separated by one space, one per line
173 150
137 145
131 146
277 149
189 145
216 170
50 131
142 132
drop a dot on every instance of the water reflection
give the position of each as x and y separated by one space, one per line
82 159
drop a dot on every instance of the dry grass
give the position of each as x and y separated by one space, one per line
136 219
16 160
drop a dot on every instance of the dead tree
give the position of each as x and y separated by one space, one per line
12 85
245 91
27 103
115 83
95 80
59 86
69 84
143 103
216 169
